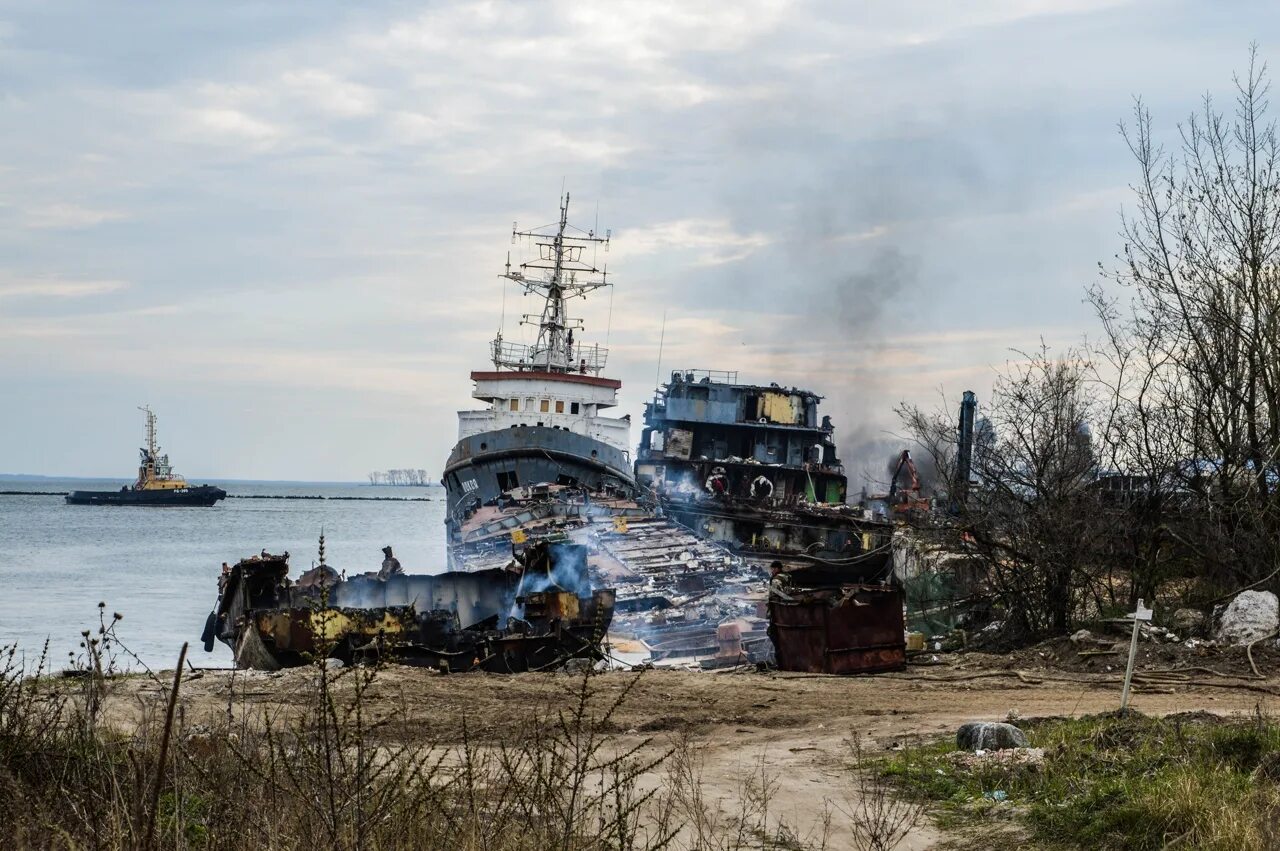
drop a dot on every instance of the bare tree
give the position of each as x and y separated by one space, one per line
1193 355
1032 518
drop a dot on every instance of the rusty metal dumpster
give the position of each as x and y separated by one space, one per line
849 629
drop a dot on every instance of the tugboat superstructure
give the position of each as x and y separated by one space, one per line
544 423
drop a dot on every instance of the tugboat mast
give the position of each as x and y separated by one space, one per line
560 260
155 467
150 431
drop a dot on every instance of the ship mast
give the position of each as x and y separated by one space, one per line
555 277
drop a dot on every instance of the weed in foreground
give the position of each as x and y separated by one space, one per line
1118 782
328 771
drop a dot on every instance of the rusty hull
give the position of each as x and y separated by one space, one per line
451 621
849 629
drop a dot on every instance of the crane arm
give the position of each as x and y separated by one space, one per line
911 468
904 461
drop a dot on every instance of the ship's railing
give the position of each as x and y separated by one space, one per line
584 359
720 376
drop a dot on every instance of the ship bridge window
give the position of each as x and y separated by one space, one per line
559 406
574 407
545 406
528 404
515 404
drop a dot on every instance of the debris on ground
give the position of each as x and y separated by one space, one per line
1004 757
1150 632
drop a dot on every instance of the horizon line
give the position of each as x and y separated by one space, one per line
19 476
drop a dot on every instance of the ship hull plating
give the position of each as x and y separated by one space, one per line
485 465
203 496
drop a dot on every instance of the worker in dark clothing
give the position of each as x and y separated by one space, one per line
779 583
390 565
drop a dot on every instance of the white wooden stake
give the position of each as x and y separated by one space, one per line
1142 614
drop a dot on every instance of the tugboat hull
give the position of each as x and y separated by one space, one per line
204 495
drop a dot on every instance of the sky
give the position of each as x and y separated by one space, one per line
281 224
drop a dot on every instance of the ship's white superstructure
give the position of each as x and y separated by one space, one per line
559 400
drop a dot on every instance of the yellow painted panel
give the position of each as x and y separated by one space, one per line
777 408
331 624
164 484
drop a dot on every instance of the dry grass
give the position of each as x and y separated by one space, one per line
335 774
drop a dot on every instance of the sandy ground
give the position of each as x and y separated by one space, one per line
793 727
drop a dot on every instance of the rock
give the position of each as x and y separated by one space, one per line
1250 616
1083 637
989 736
1191 621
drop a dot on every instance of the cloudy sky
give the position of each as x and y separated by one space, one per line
280 224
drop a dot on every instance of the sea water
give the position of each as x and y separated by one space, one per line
158 567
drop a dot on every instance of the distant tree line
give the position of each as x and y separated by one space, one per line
1149 459
399 477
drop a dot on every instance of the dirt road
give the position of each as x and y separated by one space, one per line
792 729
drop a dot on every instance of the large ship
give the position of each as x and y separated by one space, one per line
157 483
543 426
755 467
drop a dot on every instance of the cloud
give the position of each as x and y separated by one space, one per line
225 124
56 288
865 200
329 94
68 216
712 242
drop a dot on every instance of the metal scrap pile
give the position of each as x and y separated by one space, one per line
675 589
681 598
537 613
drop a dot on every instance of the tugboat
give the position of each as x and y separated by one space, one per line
543 426
157 484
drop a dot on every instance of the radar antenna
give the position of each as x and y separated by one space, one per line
559 273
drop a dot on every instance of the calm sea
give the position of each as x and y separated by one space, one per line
159 566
